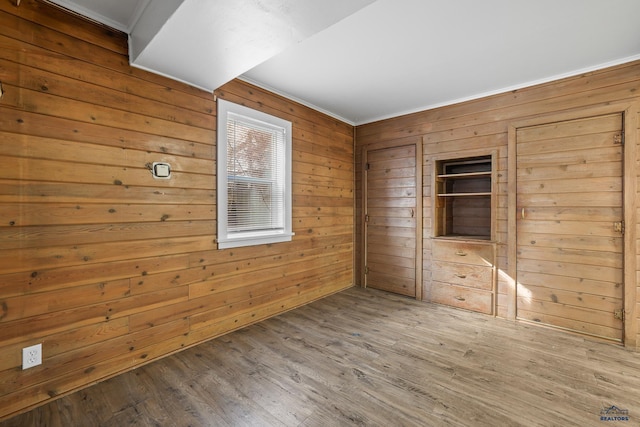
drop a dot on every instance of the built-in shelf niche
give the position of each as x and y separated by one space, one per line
463 194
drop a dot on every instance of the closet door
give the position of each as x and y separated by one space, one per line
569 225
390 220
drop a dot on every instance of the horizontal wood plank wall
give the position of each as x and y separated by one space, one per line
109 268
483 124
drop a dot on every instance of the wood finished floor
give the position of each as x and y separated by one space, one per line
367 358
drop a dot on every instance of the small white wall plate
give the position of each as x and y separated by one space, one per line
161 170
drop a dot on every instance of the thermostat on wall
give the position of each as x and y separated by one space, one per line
161 170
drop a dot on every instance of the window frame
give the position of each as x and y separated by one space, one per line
230 239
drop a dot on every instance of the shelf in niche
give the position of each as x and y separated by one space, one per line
464 194
463 190
465 175
464 237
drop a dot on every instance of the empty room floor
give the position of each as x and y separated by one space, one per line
369 358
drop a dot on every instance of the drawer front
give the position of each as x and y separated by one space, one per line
463 252
462 297
474 276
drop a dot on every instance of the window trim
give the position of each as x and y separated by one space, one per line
226 239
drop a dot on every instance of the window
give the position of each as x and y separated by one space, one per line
254 177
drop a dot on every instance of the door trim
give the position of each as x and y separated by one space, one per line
630 111
417 142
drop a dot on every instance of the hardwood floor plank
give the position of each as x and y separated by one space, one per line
364 357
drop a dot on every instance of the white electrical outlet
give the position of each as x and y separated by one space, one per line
31 356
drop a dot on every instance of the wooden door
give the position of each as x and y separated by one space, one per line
569 242
390 220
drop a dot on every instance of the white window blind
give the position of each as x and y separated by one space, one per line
255 175
254 184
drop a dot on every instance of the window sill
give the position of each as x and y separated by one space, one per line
253 240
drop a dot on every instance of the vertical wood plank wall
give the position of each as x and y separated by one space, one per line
104 265
484 124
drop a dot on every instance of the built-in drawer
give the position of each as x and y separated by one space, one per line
463 252
462 297
474 276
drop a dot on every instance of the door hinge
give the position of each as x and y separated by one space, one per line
366 270
368 166
618 138
619 227
366 218
619 314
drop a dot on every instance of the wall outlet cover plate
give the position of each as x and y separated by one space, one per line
31 356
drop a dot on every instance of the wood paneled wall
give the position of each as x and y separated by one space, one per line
109 268
484 124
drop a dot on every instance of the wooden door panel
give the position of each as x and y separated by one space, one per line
393 202
569 312
575 157
391 212
571 128
585 199
395 236
576 171
596 228
390 173
391 220
396 222
576 256
392 258
593 243
563 185
385 251
595 141
390 283
556 213
569 324
570 284
569 195
572 298
562 270
397 154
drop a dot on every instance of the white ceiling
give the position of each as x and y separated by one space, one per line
118 14
208 43
365 60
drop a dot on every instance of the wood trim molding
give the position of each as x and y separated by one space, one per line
631 128
363 216
512 253
419 218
